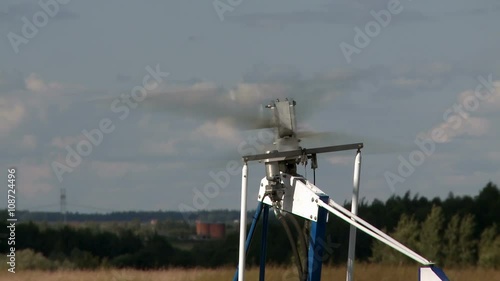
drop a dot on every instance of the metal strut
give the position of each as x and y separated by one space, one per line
351 256
429 272
369 229
263 246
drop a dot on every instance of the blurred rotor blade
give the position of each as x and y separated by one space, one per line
242 105
200 107
239 115
305 134
371 145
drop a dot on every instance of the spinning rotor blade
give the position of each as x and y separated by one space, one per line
239 105
240 115
304 134
237 114
371 145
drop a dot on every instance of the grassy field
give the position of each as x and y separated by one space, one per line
362 273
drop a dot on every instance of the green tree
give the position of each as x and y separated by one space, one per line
489 248
83 259
430 240
27 259
406 232
451 239
466 242
486 209
379 251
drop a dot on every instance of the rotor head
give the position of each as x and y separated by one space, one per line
284 117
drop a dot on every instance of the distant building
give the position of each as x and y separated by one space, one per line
202 229
217 230
210 230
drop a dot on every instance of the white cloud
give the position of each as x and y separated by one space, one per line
116 169
493 103
18 105
219 130
175 95
11 115
40 94
169 166
62 142
29 142
462 123
34 178
341 160
35 84
472 126
433 69
407 82
160 147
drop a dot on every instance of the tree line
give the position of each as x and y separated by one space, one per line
456 231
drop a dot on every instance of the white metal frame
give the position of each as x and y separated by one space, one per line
301 198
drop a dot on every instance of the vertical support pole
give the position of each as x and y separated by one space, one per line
263 246
354 209
255 219
317 243
243 222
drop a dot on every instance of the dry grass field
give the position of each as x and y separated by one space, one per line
363 272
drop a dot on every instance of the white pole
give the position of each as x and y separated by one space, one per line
354 209
243 222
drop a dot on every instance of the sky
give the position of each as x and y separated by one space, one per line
132 105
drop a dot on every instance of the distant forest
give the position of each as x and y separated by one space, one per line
457 231
142 216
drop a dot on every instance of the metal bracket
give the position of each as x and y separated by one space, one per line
286 155
298 196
